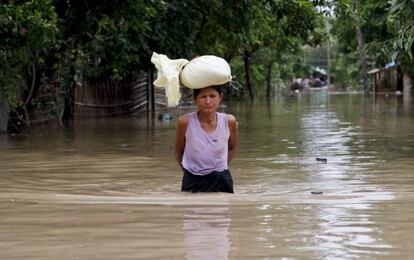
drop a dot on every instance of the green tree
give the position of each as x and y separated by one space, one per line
387 27
273 25
28 36
400 22
109 39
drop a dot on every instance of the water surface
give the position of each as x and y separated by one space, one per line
109 188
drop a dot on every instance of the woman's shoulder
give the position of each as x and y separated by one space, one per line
184 119
225 115
231 118
231 121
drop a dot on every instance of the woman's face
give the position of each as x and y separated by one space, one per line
208 100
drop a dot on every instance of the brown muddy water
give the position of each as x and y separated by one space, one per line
109 189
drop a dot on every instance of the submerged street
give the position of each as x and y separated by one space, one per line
110 188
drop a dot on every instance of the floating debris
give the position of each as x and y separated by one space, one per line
165 117
316 192
324 160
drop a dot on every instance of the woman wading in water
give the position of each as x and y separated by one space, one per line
206 142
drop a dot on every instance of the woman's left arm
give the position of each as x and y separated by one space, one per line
233 137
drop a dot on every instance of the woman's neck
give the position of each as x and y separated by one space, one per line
207 117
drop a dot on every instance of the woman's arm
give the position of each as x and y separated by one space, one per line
233 137
180 138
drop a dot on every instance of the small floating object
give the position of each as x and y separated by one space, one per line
324 160
165 117
316 192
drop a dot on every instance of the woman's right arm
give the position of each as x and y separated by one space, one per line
180 138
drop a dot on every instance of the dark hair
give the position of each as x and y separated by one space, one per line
197 91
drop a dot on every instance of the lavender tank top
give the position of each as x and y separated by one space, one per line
206 152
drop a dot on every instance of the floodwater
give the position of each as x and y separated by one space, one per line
109 189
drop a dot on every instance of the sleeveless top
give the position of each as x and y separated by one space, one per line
206 152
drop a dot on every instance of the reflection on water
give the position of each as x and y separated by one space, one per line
342 230
109 189
206 232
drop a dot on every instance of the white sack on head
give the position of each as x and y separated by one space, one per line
168 76
204 71
198 73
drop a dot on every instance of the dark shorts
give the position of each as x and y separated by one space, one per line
212 182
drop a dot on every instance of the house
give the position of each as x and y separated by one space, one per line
390 79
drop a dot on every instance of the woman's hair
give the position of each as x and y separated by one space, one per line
197 91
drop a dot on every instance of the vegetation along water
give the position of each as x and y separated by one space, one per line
322 91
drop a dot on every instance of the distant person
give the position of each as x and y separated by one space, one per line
206 142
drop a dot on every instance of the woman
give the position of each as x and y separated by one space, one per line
206 142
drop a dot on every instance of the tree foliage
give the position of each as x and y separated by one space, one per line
114 39
388 32
400 22
28 34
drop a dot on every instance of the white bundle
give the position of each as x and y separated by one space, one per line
200 72
205 71
169 76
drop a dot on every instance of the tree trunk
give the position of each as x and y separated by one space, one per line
407 84
269 67
328 54
4 112
362 58
69 103
249 85
150 89
30 95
